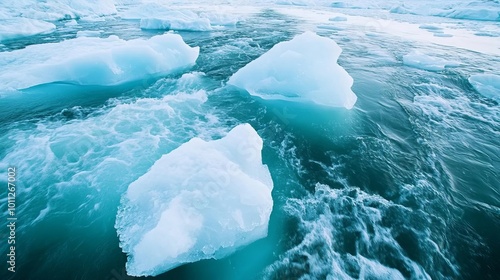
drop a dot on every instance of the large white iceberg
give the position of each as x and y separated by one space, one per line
303 69
203 200
95 61
487 85
160 17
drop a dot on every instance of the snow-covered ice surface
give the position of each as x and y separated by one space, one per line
203 200
303 69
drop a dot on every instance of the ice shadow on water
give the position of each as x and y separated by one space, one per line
47 99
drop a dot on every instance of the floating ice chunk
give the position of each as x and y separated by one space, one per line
486 34
95 61
487 85
194 23
474 13
303 69
329 27
71 23
401 9
437 31
93 19
156 16
339 5
444 35
146 10
430 27
22 27
338 18
293 3
220 19
419 60
88 33
127 2
203 200
154 24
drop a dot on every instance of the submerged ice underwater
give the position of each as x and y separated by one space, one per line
250 139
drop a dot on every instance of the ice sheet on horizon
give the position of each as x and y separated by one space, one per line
57 10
